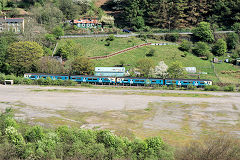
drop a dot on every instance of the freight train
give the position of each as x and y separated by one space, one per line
126 81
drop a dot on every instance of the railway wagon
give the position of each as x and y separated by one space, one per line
34 76
187 82
139 81
93 79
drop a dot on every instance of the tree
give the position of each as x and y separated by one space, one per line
145 65
185 46
161 69
49 65
6 38
203 32
236 28
138 22
81 65
219 48
33 32
22 56
3 4
58 32
49 15
176 70
232 40
69 50
51 39
201 49
68 8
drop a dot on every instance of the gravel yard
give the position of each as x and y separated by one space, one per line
141 112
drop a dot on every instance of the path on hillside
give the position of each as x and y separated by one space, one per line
129 49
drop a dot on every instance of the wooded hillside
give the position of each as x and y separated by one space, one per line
177 13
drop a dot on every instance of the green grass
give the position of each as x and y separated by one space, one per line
96 46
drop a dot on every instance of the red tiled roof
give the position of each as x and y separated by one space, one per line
86 21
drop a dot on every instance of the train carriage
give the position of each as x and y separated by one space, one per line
187 82
36 76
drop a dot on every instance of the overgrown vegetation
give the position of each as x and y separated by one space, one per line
20 141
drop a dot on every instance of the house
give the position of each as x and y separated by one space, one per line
238 61
87 23
110 71
12 24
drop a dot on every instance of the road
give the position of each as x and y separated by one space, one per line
128 35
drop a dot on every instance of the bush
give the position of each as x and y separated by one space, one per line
73 143
201 49
185 46
70 83
27 81
236 27
203 32
232 40
2 78
108 43
219 48
111 37
172 37
184 54
191 87
215 147
229 88
211 88
151 53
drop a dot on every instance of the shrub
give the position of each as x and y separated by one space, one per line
108 43
151 53
111 37
229 88
211 88
219 48
70 83
203 32
236 27
185 46
2 78
232 40
191 87
184 54
172 37
201 49
215 147
27 81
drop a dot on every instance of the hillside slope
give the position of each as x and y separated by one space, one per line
168 54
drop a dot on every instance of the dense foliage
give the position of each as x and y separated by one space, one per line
22 56
219 48
177 14
19 141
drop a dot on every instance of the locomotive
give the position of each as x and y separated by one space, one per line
125 81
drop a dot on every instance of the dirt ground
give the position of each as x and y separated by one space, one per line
142 113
